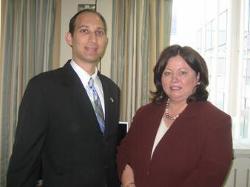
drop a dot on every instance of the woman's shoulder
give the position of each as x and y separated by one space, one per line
150 107
207 109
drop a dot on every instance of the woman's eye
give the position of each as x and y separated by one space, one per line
183 72
166 73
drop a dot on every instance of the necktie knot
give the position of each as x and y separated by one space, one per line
91 83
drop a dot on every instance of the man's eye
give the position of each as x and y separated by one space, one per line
84 31
99 33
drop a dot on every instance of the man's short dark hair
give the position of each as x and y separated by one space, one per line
73 19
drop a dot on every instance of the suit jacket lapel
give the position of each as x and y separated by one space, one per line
82 100
108 101
79 94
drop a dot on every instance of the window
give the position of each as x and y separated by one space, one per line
245 75
220 31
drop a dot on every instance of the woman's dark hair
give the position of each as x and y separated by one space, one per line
194 60
73 19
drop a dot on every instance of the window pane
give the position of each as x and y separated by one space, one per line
245 83
222 24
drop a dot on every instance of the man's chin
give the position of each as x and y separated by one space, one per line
93 61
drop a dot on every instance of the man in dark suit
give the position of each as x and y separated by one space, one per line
58 129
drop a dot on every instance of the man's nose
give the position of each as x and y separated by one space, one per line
92 37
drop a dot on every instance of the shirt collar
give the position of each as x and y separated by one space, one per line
83 75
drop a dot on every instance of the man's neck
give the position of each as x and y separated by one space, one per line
88 67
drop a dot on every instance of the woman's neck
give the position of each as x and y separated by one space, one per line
174 108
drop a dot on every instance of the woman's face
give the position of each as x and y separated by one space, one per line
179 79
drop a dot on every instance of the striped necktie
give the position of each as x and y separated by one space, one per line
97 105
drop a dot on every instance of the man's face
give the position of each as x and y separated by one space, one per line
89 39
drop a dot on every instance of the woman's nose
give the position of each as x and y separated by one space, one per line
175 77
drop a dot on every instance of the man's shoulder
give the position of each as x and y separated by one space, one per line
47 75
59 72
108 81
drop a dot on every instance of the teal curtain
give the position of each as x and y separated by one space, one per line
141 29
27 47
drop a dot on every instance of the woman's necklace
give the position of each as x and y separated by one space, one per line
167 115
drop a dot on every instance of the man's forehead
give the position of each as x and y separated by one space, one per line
89 18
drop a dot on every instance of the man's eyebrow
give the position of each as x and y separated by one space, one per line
82 26
102 28
86 26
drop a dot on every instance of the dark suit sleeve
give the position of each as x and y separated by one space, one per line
25 161
216 158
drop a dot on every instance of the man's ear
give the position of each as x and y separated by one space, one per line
107 40
68 38
198 76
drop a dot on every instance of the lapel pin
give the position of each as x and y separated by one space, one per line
111 99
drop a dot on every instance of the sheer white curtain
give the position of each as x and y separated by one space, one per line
141 29
27 48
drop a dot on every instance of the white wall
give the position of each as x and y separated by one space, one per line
239 175
69 8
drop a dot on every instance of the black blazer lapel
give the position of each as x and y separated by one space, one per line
110 100
79 94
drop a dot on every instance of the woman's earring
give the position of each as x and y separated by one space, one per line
162 95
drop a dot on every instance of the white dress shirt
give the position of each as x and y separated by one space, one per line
84 77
